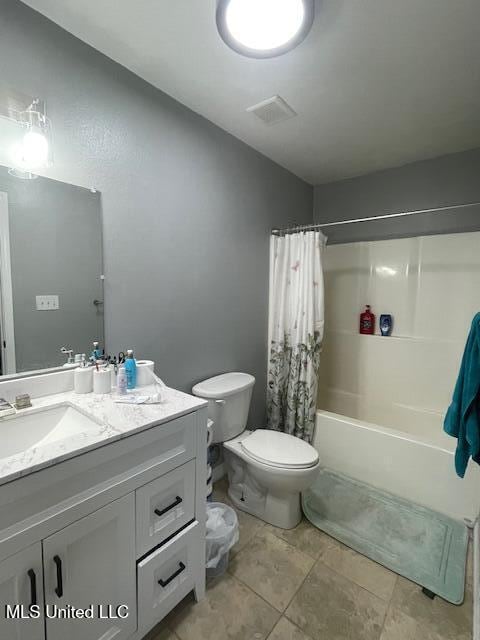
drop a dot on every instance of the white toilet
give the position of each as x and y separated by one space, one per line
267 470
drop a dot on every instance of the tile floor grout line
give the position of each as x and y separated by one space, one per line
296 592
307 635
292 545
319 560
254 593
389 606
356 583
301 584
280 613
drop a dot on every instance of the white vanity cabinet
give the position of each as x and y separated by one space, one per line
120 527
92 562
21 585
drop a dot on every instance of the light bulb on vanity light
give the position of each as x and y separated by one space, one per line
33 150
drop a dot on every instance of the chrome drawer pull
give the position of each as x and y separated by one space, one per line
163 583
178 500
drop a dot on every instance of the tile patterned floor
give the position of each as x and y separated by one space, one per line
303 585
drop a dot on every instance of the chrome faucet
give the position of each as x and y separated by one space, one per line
69 354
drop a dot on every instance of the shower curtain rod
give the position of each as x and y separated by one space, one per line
401 214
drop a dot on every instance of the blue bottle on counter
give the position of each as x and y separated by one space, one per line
131 370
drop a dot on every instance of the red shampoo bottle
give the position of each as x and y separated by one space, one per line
367 321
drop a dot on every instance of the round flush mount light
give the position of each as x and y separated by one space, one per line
264 28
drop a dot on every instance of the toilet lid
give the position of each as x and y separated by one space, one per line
224 385
280 450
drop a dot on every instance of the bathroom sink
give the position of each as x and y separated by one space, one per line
22 432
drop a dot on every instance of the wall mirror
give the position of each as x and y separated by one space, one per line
51 268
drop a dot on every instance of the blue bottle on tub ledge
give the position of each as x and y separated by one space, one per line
386 323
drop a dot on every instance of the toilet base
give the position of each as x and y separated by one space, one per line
282 511
269 493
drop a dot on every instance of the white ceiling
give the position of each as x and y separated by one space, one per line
377 83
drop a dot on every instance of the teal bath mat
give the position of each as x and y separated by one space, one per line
419 544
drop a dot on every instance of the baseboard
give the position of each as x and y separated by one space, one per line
476 581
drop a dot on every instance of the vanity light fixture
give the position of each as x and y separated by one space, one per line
33 152
264 28
22 175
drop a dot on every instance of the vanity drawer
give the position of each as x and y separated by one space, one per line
164 506
167 575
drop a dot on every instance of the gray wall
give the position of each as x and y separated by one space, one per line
447 180
187 208
55 248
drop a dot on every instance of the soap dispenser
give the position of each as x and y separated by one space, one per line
131 370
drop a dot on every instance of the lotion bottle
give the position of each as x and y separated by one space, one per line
121 380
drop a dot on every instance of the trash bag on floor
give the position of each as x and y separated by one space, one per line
222 534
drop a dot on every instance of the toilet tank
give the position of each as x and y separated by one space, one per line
228 398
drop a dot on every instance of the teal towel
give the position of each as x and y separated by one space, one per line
463 416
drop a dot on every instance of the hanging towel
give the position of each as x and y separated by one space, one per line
463 416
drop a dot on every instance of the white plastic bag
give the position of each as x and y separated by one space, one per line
222 532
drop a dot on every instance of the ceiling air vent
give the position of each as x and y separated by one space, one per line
273 110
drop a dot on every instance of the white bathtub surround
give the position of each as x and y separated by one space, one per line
431 286
296 319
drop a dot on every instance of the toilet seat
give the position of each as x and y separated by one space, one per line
279 450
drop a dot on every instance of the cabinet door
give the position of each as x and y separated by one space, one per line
21 585
91 563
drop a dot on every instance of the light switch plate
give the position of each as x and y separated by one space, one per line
47 303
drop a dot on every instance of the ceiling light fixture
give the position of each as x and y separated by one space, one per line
264 28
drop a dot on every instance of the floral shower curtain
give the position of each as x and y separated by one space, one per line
296 320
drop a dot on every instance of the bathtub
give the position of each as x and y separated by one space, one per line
414 467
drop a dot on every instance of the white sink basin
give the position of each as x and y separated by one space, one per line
22 432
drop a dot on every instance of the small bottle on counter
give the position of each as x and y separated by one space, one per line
131 370
121 380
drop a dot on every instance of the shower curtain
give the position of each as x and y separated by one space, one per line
296 319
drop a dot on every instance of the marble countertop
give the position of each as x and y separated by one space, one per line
115 421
